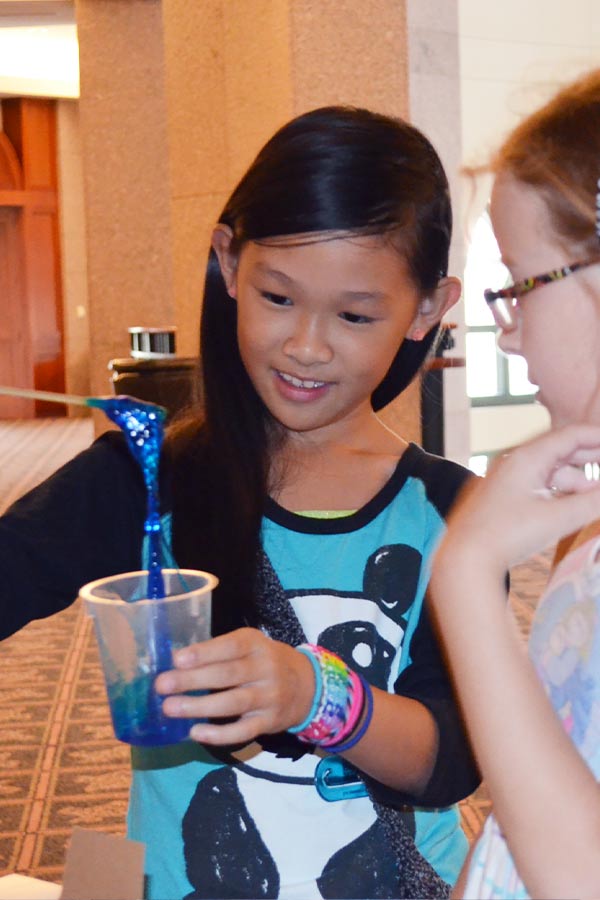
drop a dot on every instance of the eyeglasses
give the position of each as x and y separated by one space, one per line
504 303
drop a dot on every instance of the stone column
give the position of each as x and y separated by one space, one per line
126 174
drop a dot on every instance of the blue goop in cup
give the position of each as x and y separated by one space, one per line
125 625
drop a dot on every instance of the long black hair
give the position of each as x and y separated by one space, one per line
334 169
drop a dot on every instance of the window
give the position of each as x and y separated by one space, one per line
492 378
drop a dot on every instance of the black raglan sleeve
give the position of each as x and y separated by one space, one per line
84 522
427 680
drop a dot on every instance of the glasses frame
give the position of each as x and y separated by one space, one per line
504 314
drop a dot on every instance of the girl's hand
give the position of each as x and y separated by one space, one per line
264 685
532 496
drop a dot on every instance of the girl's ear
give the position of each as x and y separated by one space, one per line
222 237
434 307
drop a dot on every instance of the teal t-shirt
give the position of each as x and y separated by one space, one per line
251 822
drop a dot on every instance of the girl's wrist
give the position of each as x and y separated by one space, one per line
466 558
342 704
310 688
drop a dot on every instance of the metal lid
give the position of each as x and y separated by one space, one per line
152 343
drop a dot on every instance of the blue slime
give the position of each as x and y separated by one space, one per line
143 426
136 717
136 708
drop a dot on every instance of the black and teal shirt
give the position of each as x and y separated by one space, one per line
268 819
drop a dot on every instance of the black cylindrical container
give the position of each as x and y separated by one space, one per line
154 373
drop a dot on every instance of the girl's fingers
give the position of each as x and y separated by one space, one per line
553 462
207 677
221 705
566 448
240 732
224 648
253 677
575 509
237 704
533 496
570 479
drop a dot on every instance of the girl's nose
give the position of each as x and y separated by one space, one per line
309 342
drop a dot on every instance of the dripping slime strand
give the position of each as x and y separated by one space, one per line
143 426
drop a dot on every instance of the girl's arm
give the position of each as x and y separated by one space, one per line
84 522
426 681
268 687
546 800
271 687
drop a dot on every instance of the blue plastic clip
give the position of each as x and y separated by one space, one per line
336 780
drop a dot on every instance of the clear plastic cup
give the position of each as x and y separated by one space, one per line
137 636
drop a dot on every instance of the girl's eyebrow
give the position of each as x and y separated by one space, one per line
368 296
274 273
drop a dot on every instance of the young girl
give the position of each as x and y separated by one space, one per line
320 772
535 723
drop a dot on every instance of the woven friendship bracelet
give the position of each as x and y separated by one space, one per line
338 703
364 721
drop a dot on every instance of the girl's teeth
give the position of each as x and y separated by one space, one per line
299 383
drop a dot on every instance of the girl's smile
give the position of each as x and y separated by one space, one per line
300 390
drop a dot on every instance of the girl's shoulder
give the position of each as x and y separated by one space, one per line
104 474
442 478
108 458
420 482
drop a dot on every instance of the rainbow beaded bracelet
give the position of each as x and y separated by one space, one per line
339 702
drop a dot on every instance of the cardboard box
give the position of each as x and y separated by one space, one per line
98 867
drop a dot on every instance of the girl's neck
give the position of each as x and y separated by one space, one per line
334 475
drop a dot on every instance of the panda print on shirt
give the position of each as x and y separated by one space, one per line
256 827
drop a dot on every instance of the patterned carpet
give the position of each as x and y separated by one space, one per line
60 766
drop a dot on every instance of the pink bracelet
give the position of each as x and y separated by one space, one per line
340 705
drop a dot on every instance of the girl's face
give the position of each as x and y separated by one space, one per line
558 330
319 325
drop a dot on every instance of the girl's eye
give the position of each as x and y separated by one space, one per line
277 299
356 319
